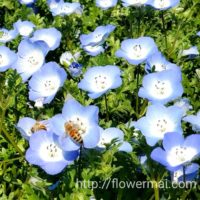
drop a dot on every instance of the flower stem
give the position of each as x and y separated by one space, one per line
164 28
184 175
80 163
106 104
156 190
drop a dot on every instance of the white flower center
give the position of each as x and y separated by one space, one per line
50 85
33 60
105 2
66 8
102 82
162 3
161 89
76 128
51 152
137 50
179 155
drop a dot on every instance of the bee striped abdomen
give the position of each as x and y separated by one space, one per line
73 132
37 127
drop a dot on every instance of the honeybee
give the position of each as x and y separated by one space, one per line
73 131
38 126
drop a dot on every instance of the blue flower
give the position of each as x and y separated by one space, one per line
163 4
194 120
28 126
76 126
69 60
191 52
24 28
158 62
127 3
110 134
31 57
177 151
93 50
45 83
61 8
136 51
99 80
162 87
7 58
6 35
106 4
51 36
27 2
158 121
97 37
46 153
191 172
184 104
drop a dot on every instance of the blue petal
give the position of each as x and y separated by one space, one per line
126 147
57 124
67 144
159 155
193 141
171 140
33 157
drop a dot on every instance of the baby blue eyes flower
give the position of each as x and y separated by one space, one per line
69 60
51 36
45 152
31 57
106 4
162 87
127 3
45 83
110 134
24 28
7 58
163 4
177 151
136 51
191 172
157 62
191 52
158 121
61 8
6 35
97 37
77 126
28 126
99 80
194 120
184 104
27 2
92 42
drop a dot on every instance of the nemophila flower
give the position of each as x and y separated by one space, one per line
97 37
177 151
106 4
28 126
7 58
45 83
110 134
31 57
27 2
136 51
184 104
93 50
127 3
69 60
163 4
51 36
162 87
100 79
158 121
191 52
45 152
67 8
24 28
194 120
157 62
198 34
77 126
191 172
7 35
